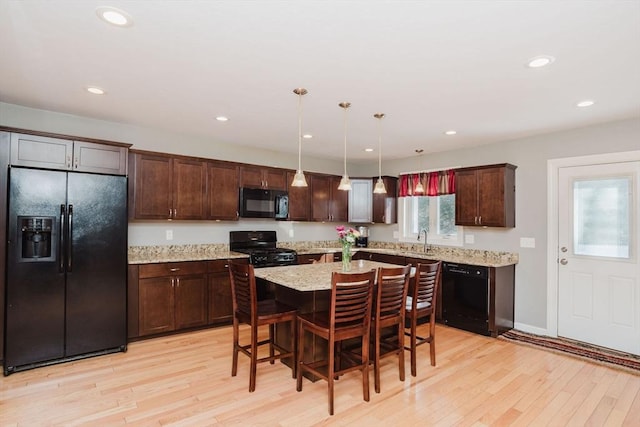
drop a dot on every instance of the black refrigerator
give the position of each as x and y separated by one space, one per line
66 292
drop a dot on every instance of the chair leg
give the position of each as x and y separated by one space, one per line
234 359
365 368
300 357
376 360
401 353
254 358
432 340
330 374
294 349
272 334
414 327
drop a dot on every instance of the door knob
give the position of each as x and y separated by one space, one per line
563 261
563 249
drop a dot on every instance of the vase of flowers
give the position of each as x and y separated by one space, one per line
347 238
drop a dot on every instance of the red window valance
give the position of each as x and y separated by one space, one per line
434 183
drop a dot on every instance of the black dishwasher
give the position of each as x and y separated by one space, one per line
465 297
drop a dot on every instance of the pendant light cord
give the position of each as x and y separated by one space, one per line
345 139
300 131
380 148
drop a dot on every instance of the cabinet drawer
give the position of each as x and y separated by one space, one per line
172 269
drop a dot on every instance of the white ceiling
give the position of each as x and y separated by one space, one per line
429 65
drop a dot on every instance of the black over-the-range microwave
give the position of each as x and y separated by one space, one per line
261 203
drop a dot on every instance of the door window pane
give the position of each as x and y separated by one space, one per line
602 217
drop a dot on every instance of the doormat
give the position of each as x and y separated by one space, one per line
616 359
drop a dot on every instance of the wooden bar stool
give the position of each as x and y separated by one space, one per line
247 309
349 316
390 299
422 303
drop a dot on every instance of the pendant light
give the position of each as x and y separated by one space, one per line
379 188
298 179
345 182
419 188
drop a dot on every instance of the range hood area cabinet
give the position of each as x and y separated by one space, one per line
263 177
485 196
197 189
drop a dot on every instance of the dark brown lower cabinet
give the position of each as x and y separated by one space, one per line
171 296
220 302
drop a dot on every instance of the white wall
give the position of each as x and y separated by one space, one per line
530 155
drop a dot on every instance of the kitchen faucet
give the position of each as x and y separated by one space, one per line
426 232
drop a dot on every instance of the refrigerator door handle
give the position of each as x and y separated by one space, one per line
70 241
63 214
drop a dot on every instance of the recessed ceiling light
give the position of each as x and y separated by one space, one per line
222 118
450 132
368 150
540 61
307 136
585 103
95 90
114 16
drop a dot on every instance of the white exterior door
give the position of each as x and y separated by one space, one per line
598 266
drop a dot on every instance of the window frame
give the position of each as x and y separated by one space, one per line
405 222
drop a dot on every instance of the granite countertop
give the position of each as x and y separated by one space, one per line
457 255
203 252
312 277
179 253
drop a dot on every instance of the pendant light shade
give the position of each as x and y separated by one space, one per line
379 188
419 188
298 179
345 182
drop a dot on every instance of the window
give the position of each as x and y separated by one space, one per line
436 214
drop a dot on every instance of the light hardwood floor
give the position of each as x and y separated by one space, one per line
185 380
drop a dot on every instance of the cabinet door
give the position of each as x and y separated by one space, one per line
191 301
384 208
312 258
299 206
220 303
491 197
99 158
361 201
320 195
466 198
156 305
339 201
189 189
41 152
152 184
275 179
222 191
251 176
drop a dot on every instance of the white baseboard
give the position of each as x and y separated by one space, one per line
530 329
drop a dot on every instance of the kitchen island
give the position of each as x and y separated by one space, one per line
308 288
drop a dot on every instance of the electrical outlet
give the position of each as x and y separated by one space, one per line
469 238
169 234
396 234
291 233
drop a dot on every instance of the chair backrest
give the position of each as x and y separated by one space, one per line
391 293
243 289
425 292
351 299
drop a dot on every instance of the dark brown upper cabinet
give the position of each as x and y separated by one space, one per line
166 187
385 205
299 199
222 191
485 196
263 177
327 202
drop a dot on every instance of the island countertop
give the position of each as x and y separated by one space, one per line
312 277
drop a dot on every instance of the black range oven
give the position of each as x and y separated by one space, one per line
263 252
262 248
